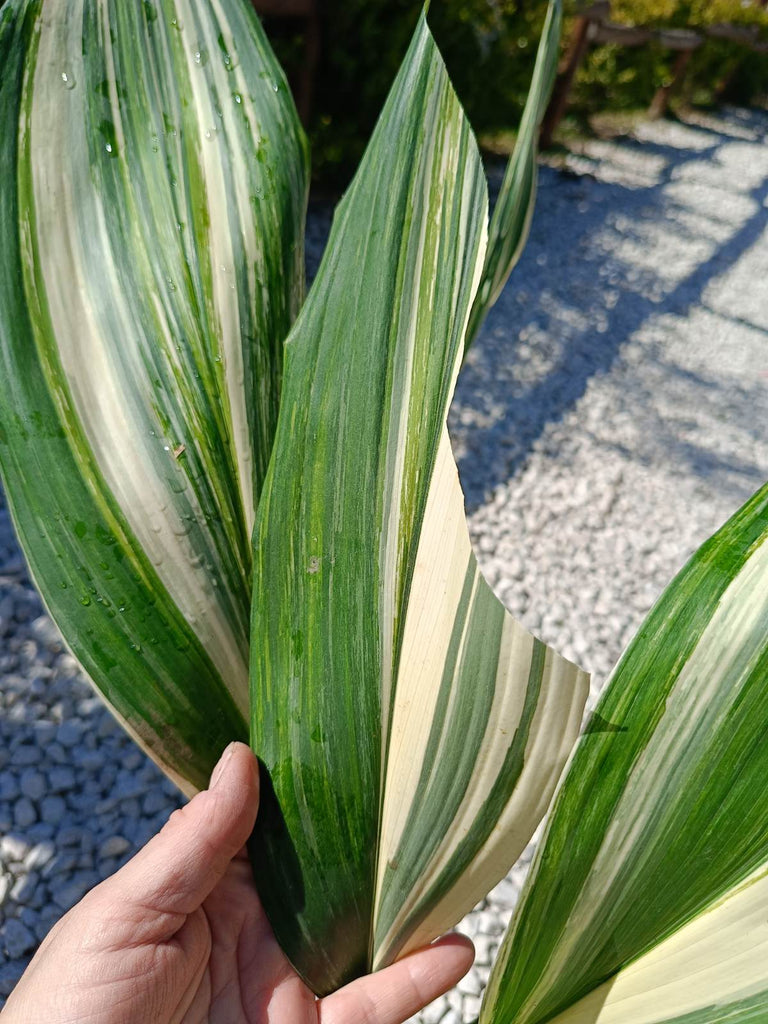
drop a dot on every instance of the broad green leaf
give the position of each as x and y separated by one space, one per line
513 211
647 897
413 732
152 192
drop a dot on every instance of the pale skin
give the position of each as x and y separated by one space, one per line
178 936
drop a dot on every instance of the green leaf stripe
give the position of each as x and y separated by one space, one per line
400 694
513 211
153 268
665 814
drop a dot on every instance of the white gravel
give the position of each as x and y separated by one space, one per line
611 416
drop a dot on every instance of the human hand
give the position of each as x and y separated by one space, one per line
178 936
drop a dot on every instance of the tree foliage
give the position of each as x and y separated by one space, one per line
489 50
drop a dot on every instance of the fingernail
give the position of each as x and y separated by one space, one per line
218 771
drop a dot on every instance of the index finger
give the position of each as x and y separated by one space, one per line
392 995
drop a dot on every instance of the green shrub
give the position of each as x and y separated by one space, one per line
488 45
489 51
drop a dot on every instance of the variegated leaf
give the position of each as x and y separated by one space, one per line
414 732
152 192
646 902
513 211
713 970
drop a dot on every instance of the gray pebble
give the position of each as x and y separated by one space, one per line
28 917
12 848
46 633
171 789
107 727
115 846
40 898
155 802
69 733
126 787
9 975
470 984
26 754
91 761
133 759
53 809
61 779
71 835
61 864
483 944
9 786
108 867
17 938
472 1006
434 1012
24 813
38 687
54 752
130 808
39 855
504 894
33 784
24 887
44 733
72 892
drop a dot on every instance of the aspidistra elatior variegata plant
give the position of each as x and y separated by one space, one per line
152 196
153 190
415 730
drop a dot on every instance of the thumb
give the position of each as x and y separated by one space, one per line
178 869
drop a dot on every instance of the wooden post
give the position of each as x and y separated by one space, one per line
558 102
660 101
577 48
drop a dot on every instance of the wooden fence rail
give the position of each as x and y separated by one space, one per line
594 27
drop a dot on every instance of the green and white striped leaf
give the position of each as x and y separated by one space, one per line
647 900
152 193
714 969
513 211
414 732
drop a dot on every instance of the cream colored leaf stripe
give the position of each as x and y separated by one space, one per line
415 731
484 718
664 810
154 227
712 970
